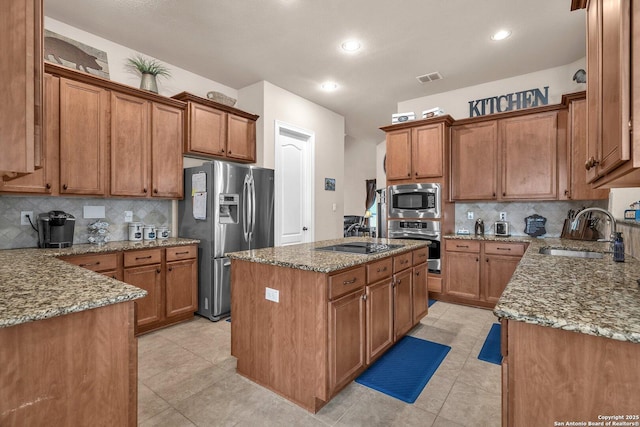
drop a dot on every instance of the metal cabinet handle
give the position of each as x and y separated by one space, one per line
592 162
48 186
90 264
364 297
158 270
417 273
170 268
144 190
182 253
504 249
64 186
348 282
142 257
462 246
155 190
379 270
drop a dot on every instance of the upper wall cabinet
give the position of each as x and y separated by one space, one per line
613 75
21 69
416 150
218 131
509 157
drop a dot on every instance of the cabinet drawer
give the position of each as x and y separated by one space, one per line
181 252
102 262
498 248
135 258
462 246
400 262
345 282
420 256
379 270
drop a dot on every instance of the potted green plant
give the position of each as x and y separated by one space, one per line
148 68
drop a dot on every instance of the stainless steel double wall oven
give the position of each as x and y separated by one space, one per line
414 212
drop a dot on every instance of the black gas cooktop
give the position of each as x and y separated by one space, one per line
364 248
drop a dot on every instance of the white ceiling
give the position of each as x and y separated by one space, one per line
294 44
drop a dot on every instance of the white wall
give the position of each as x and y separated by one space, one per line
180 80
359 166
279 104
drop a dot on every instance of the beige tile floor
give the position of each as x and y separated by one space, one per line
187 378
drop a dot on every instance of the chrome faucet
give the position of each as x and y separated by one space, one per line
574 224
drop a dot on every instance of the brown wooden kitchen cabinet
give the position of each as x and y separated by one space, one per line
109 264
417 150
402 295
181 281
474 161
45 179
84 133
21 43
506 143
143 269
146 148
218 131
572 184
379 308
476 273
420 293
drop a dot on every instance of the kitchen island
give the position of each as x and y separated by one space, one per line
67 346
570 338
306 322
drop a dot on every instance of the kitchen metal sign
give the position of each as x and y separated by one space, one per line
508 102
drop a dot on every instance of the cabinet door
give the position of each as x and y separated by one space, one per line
84 130
577 147
181 284
379 318
114 274
529 152
463 274
130 145
420 293
241 138
207 130
21 85
427 152
167 174
497 273
346 338
148 278
45 179
402 303
474 161
398 163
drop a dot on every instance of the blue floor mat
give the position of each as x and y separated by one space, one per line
404 370
432 301
491 348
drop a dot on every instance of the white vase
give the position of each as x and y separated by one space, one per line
148 82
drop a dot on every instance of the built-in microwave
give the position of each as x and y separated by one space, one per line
414 201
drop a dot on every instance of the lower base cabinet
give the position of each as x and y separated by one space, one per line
169 275
325 329
476 272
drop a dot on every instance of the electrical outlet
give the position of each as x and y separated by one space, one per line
23 217
469 215
272 295
128 216
503 216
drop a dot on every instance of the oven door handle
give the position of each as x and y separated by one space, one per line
422 236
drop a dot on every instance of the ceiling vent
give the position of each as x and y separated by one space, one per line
429 77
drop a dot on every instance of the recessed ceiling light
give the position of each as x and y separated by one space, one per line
329 86
351 45
501 35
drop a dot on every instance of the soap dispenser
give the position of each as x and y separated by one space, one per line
618 248
479 229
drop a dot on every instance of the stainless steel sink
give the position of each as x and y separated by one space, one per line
574 253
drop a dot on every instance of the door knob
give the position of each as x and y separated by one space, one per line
304 228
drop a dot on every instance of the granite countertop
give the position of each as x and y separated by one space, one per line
35 285
592 296
305 257
489 238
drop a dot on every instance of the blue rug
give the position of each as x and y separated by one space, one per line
404 370
491 348
432 301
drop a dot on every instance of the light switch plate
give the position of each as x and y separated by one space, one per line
272 295
93 212
128 216
469 215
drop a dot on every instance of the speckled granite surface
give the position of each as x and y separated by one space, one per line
489 238
592 296
306 257
35 285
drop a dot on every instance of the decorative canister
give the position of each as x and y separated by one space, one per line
135 231
149 232
162 233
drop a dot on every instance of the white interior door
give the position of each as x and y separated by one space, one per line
293 185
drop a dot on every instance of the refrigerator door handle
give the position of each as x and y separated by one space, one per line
253 206
245 208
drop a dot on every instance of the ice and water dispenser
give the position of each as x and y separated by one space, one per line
229 208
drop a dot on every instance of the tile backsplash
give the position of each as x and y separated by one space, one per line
14 235
555 212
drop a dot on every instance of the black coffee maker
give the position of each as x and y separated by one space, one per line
55 229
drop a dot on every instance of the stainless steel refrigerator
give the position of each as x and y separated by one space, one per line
229 207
